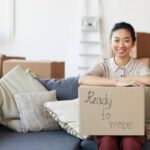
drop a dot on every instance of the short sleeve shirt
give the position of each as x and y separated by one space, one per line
108 68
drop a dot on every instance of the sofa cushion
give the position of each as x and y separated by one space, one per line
66 89
44 140
14 82
66 113
88 145
33 114
146 146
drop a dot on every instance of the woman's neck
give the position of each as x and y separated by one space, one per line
121 61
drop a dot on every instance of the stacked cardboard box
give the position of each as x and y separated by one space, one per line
45 69
141 51
6 57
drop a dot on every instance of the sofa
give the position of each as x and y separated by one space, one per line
46 139
66 89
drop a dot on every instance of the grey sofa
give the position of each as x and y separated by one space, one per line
46 140
50 140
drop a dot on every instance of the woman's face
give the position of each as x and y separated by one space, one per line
121 43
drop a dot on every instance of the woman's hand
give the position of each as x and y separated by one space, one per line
128 82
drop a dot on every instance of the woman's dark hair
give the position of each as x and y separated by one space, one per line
124 25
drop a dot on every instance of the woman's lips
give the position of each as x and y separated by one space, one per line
121 51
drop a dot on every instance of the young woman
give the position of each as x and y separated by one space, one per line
120 70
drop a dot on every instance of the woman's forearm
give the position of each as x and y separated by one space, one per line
142 79
97 81
102 81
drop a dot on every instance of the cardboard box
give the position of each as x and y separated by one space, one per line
142 47
45 69
5 57
145 60
111 110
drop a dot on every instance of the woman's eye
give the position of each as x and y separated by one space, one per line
127 41
116 40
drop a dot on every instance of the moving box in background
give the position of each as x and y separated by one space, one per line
142 46
112 110
6 57
45 69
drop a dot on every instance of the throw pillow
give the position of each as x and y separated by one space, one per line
14 82
66 113
33 114
66 89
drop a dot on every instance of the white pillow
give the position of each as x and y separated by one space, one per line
33 114
14 82
66 113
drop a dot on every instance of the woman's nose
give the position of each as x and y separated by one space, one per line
121 44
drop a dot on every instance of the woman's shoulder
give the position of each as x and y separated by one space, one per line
140 66
139 62
102 64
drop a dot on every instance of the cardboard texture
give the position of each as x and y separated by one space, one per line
4 57
145 60
45 69
111 110
142 46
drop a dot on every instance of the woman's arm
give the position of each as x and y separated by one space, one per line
102 81
96 80
142 79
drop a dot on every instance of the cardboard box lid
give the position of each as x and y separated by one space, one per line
111 110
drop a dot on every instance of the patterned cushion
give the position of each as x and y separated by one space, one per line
33 115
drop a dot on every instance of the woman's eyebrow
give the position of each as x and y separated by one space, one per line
127 38
116 37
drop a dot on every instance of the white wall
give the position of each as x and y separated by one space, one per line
46 29
50 29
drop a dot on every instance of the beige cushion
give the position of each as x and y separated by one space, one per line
66 113
33 114
14 82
